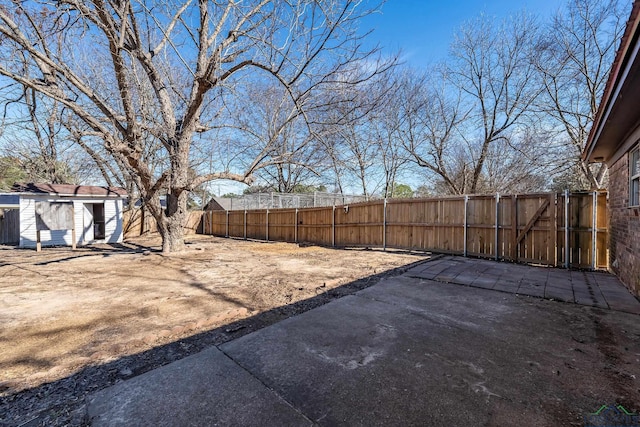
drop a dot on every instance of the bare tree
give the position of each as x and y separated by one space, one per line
493 65
273 126
35 139
350 135
429 119
386 136
355 158
167 69
576 53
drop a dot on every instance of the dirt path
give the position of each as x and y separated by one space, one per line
62 311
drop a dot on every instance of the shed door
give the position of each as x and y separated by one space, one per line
87 222
98 221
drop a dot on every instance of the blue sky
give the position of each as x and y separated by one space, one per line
423 29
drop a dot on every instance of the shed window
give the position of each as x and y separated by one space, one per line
634 177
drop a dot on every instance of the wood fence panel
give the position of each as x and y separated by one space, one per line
216 223
553 230
133 223
136 222
207 218
450 223
481 226
282 225
581 235
360 224
403 221
236 224
426 231
561 230
257 224
194 222
432 233
532 228
506 237
315 225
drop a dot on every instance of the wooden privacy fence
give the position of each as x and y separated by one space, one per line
530 228
137 222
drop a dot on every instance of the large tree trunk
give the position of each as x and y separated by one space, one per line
174 220
174 217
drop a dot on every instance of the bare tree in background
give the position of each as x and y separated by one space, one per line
280 133
349 134
429 118
355 156
386 131
37 141
577 50
493 65
191 55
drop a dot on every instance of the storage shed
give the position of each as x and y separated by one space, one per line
60 214
615 140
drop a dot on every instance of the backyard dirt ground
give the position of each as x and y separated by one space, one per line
63 311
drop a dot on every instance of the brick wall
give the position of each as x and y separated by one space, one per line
624 231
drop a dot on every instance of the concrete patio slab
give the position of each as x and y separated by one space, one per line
596 289
413 353
406 351
207 388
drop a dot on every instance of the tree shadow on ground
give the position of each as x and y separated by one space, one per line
63 402
103 250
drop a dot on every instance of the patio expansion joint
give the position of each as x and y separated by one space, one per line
579 287
516 293
274 392
592 291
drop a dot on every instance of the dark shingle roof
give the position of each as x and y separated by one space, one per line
68 190
616 74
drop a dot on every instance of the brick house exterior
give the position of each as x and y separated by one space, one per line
615 139
624 250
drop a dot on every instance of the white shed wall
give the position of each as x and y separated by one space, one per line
27 223
113 222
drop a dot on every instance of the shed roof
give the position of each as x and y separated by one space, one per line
68 190
617 114
218 204
9 201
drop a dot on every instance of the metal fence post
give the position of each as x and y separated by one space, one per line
333 227
554 228
245 224
594 232
295 232
497 242
515 250
566 229
384 226
466 202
